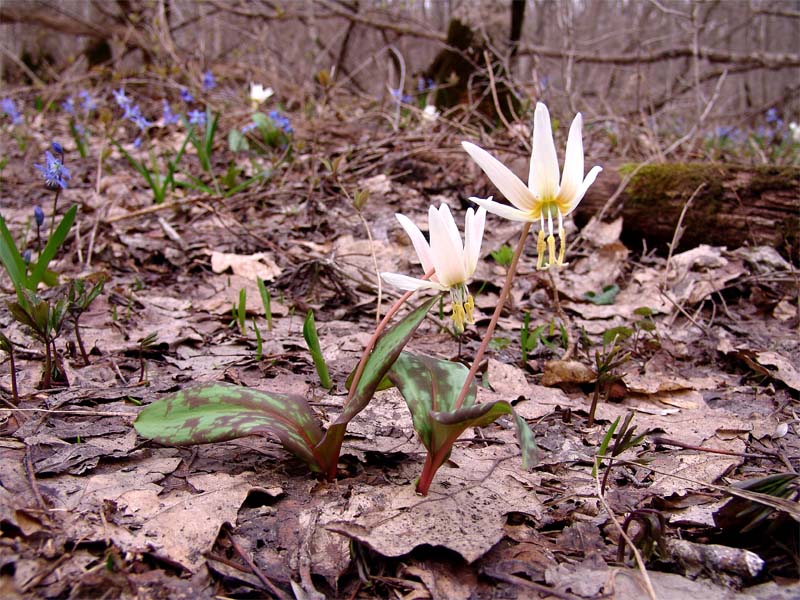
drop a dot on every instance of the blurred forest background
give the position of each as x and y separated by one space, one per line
660 77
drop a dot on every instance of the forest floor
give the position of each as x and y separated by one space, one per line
90 509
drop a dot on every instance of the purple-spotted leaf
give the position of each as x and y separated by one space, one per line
431 387
381 359
216 412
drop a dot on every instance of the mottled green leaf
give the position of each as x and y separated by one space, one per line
431 386
381 359
215 412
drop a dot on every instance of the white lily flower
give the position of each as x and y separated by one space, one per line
543 198
453 263
258 94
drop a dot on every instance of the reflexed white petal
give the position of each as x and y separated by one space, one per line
543 176
511 186
448 257
473 238
503 210
404 282
418 240
590 177
572 178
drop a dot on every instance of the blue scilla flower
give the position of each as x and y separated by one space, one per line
26 256
249 127
137 143
399 96
58 149
425 85
54 172
772 115
186 95
10 109
170 117
69 106
120 98
38 215
208 81
281 121
88 103
197 117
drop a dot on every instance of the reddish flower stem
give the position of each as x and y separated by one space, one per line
374 339
512 269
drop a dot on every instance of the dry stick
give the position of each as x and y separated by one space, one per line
570 350
512 268
639 562
275 591
676 235
157 208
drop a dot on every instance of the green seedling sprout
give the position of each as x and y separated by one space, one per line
606 362
79 298
241 311
503 255
624 440
266 300
44 321
158 183
145 344
312 341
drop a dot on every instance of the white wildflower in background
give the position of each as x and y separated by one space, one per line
258 94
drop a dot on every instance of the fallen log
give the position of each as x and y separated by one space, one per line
732 206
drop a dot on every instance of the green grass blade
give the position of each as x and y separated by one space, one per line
51 248
312 341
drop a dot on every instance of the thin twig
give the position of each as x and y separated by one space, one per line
271 587
637 555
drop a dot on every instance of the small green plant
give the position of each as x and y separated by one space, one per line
79 297
240 311
607 296
503 255
312 341
160 182
622 441
266 300
607 360
145 344
44 321
547 334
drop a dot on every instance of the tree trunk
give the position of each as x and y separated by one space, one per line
735 206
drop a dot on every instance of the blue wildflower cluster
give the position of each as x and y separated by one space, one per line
170 118
88 104
281 121
209 82
133 113
54 172
400 97
9 107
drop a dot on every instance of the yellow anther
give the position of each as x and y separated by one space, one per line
540 247
562 235
469 306
458 317
551 247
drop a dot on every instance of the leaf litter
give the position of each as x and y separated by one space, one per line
80 491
